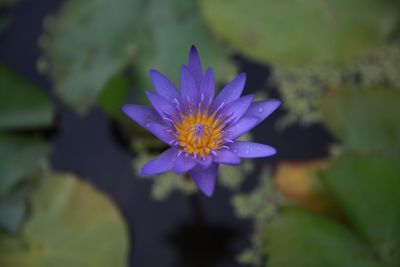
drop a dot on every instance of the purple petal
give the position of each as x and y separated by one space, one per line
262 109
162 105
194 65
205 178
244 125
161 132
205 162
232 91
160 164
207 86
251 150
183 163
141 115
189 91
226 156
237 108
163 86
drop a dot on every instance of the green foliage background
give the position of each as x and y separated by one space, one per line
334 62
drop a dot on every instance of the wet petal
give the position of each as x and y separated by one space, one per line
251 150
237 108
194 65
244 125
160 164
262 109
183 163
226 156
163 86
141 115
161 132
165 108
207 86
232 91
189 91
205 178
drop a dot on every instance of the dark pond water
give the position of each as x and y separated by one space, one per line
180 231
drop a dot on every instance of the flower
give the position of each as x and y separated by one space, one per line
200 128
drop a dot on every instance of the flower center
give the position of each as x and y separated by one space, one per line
199 134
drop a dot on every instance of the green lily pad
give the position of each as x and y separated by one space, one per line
20 157
70 224
301 32
175 25
22 104
302 239
114 95
367 188
365 120
12 211
88 43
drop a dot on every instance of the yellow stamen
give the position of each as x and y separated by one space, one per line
200 133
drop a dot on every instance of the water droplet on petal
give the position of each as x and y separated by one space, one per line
260 110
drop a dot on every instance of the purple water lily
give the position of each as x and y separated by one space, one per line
200 128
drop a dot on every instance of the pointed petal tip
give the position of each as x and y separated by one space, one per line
124 108
205 178
207 191
231 91
208 194
193 49
152 72
275 102
210 71
194 64
272 152
143 172
185 68
241 78
269 107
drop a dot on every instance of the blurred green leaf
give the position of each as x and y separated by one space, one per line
174 26
88 43
367 188
92 41
20 156
115 94
22 104
12 210
71 224
299 32
302 239
365 120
